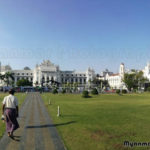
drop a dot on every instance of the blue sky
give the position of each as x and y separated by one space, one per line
75 34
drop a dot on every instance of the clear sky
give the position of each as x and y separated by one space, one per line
75 34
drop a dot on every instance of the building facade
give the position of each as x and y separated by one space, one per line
146 71
46 72
115 80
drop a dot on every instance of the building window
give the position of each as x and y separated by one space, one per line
22 73
71 80
80 81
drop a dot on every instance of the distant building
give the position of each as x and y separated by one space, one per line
146 71
46 72
103 73
115 80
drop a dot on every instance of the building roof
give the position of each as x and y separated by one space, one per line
115 74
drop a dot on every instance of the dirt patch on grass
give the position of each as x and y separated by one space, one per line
119 147
121 135
97 135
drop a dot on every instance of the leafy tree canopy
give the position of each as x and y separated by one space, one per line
134 80
24 82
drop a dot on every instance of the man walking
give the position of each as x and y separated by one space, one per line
10 110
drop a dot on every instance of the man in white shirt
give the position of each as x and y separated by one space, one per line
10 109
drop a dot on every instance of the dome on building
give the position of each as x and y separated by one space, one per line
26 68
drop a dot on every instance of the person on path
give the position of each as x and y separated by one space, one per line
10 111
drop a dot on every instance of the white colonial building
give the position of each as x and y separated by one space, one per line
115 80
46 72
146 71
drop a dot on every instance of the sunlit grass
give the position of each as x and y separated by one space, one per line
102 122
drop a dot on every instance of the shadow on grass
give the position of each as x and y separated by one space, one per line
65 116
50 125
86 97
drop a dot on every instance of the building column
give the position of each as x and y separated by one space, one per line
45 78
79 80
82 80
15 80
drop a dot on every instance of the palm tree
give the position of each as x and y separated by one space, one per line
8 78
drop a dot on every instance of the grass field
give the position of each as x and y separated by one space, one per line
102 122
21 98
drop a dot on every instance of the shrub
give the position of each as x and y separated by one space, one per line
55 91
118 91
94 91
124 91
63 91
148 89
85 94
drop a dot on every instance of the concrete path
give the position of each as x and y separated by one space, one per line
36 131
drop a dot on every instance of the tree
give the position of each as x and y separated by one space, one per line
24 82
134 80
94 91
96 81
75 86
140 79
118 91
36 83
130 81
105 83
85 94
8 78
100 83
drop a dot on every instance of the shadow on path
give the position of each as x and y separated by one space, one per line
16 138
50 125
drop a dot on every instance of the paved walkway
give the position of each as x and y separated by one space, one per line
36 130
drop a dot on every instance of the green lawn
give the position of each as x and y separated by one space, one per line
102 122
21 98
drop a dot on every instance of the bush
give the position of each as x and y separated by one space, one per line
55 91
124 91
70 91
148 89
94 91
118 91
85 94
63 91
